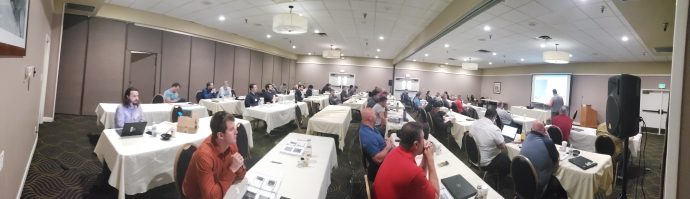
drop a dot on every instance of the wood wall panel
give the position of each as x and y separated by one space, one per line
285 73
241 80
256 67
71 71
277 69
267 70
175 63
225 62
202 67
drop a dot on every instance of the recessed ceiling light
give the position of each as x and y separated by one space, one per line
464 59
341 54
381 37
490 63
222 18
426 55
300 15
294 46
377 57
309 53
571 55
378 50
268 36
414 60
494 54
316 31
446 45
446 63
625 38
543 45
487 28
522 59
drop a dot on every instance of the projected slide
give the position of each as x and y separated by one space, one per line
543 85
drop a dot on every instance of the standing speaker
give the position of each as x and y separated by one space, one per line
623 106
390 82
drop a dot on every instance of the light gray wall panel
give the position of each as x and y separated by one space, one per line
285 73
241 81
277 69
256 67
202 65
225 62
175 63
72 60
267 75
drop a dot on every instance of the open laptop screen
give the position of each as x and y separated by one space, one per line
509 131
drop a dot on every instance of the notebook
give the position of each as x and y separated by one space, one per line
458 187
583 162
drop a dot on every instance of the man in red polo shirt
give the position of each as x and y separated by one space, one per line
563 122
399 176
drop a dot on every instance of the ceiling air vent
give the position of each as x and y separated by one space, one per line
321 34
452 59
483 51
79 7
544 38
664 49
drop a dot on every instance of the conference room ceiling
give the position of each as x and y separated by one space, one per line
579 26
397 21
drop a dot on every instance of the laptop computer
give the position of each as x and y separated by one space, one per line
135 128
458 187
509 133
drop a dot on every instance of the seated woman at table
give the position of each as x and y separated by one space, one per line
541 151
298 93
417 102
270 95
252 98
129 111
217 163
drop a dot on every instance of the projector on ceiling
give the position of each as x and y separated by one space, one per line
331 54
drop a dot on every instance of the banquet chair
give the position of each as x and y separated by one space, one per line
574 115
315 107
555 134
234 95
243 146
199 96
525 178
158 99
301 127
184 156
422 115
366 182
364 154
472 149
499 123
175 113
431 123
605 145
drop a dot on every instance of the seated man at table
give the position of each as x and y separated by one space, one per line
373 100
309 92
298 93
541 151
458 103
282 88
399 176
129 111
375 147
563 122
217 163
209 92
417 102
405 98
353 90
325 89
344 94
252 98
333 99
270 95
440 126
490 142
444 100
171 95
380 109
225 91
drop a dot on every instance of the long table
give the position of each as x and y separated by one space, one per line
333 119
538 114
322 100
585 139
357 104
141 163
577 182
392 126
275 115
455 167
288 97
235 107
153 113
460 127
309 182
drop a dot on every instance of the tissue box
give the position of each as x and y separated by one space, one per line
188 124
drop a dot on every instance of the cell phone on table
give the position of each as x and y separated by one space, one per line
442 164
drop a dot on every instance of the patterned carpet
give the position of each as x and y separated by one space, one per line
64 165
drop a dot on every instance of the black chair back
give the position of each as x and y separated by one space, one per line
604 145
365 156
298 116
242 141
499 123
525 178
430 122
234 95
468 98
423 116
158 99
473 113
472 150
175 113
184 156
555 134
199 96
453 107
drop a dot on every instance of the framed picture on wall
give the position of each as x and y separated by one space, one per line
497 87
13 26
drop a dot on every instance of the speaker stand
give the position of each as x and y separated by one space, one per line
624 191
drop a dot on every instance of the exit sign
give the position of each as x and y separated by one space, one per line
662 86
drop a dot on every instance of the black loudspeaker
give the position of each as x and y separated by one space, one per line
623 106
390 82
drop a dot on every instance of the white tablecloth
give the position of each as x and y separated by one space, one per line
309 182
538 114
395 105
333 120
392 126
577 182
585 139
288 97
235 107
460 127
157 113
141 163
455 167
322 100
274 115
356 104
526 122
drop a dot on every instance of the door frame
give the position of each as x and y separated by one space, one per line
44 81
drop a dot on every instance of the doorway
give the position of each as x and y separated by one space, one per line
142 74
654 110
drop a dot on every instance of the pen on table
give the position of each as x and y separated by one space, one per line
277 162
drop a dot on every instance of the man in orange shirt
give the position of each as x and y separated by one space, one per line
216 165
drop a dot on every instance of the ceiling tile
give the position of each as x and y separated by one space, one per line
609 22
366 6
438 6
214 11
344 20
386 16
585 24
144 5
483 17
423 4
313 5
341 13
259 3
167 6
252 11
499 22
515 16
573 14
594 10
534 9
319 14
271 9
125 3
557 5
517 28
393 1
515 3
337 4
388 8
498 9
552 19
412 11
429 14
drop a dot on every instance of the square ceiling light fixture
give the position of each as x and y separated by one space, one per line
470 65
290 23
